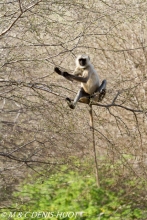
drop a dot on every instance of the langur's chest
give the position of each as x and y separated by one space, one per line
92 76
85 73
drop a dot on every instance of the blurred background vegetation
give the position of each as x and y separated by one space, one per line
39 134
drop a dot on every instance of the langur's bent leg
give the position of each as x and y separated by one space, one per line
81 93
102 86
100 92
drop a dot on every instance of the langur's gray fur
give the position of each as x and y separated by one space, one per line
84 73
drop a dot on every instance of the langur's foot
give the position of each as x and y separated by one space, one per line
102 95
70 104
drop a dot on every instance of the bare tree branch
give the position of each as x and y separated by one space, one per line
19 16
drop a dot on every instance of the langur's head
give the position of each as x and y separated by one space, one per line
82 61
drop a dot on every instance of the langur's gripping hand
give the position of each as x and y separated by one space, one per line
57 70
67 76
64 74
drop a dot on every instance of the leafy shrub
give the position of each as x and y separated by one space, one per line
69 195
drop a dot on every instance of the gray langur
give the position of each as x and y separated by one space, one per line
88 76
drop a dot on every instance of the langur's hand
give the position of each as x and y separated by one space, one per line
64 74
67 76
57 70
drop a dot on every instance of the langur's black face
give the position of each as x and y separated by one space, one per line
82 61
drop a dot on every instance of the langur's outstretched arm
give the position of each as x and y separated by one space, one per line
71 77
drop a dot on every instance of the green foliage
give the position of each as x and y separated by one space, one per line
68 195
